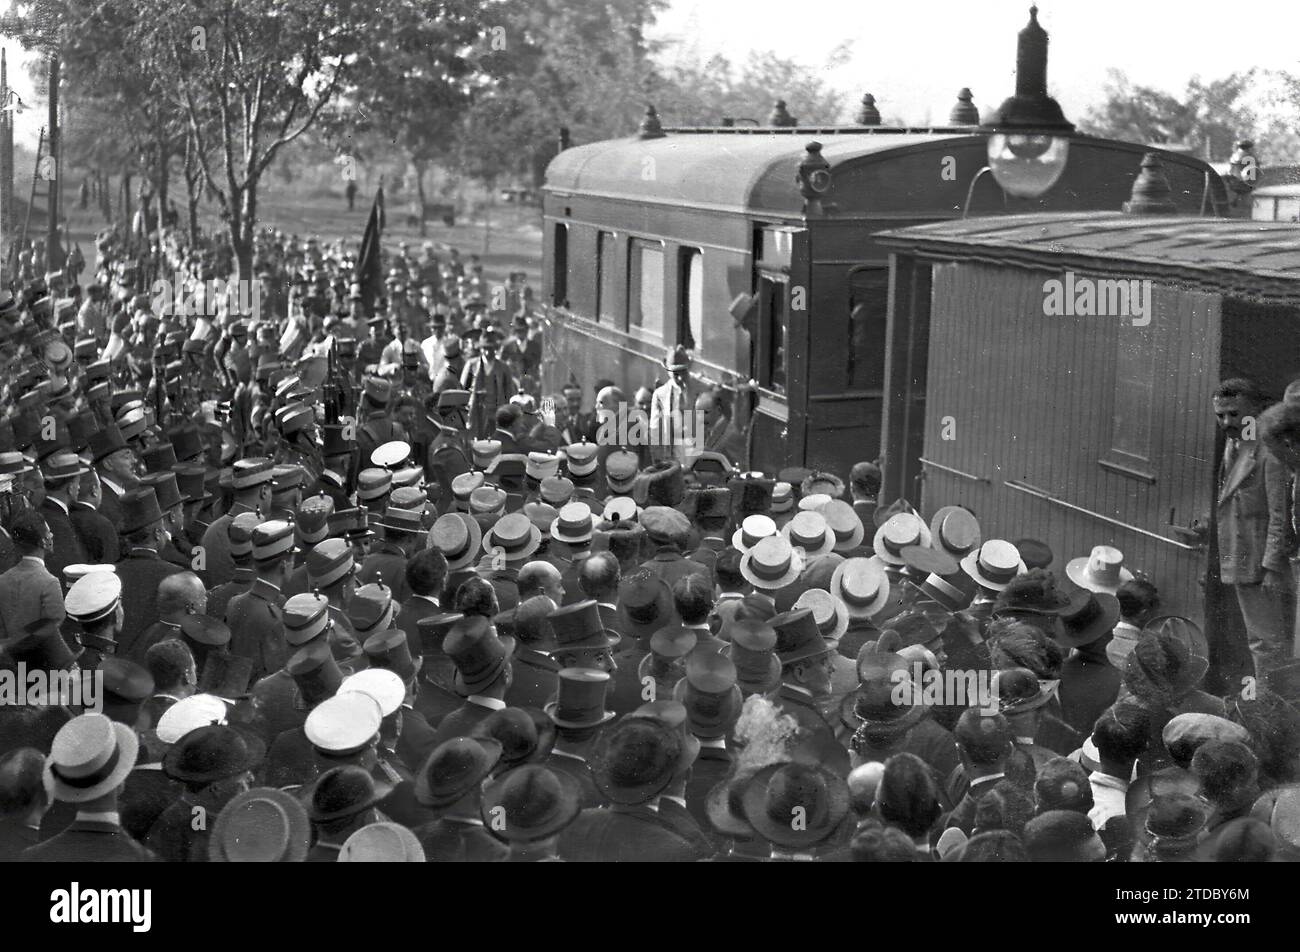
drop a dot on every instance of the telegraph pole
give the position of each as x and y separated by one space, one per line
6 164
53 253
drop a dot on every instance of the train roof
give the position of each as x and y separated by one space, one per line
747 169
1250 258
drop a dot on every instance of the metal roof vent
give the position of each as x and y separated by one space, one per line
1151 192
964 112
868 114
1031 108
651 128
780 115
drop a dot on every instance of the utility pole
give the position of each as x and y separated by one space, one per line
53 253
6 163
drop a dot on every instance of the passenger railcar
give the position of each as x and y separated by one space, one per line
1092 426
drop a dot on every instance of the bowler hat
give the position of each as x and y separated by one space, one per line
795 805
635 760
212 753
526 734
455 768
341 792
1088 618
533 802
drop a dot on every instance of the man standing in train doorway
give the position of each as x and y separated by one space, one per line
669 408
1254 531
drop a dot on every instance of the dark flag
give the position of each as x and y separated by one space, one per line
370 268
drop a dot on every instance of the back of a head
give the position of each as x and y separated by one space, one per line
177 591
1138 599
693 598
907 796
863 781
507 415
599 576
1244 840
1062 784
426 572
877 843
535 577
984 740
1122 733
1228 772
168 662
22 784
28 530
1007 806
727 571
1063 836
864 479
475 596
996 846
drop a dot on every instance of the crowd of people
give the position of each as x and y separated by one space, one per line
323 578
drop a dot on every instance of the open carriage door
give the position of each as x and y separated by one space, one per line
779 347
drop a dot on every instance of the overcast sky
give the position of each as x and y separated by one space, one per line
914 55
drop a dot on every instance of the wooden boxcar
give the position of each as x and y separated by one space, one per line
1083 429
649 240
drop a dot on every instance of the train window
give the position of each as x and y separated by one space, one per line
864 344
771 358
1134 393
645 287
560 273
606 275
690 328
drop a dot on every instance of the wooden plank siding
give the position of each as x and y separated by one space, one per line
1031 399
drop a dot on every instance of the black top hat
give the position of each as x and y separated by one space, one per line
140 509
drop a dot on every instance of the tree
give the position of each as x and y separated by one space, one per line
1210 117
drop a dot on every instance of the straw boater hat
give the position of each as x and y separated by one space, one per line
515 535
751 531
771 564
830 613
955 530
993 564
809 531
1100 571
899 532
262 825
91 755
862 585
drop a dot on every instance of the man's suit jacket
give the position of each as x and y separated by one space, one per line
98 536
454 841
1254 530
89 841
536 679
1089 685
589 794
711 767
67 545
110 506
460 722
670 565
146 793
28 592
624 834
140 571
386 563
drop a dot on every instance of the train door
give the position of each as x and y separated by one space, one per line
1244 325
779 351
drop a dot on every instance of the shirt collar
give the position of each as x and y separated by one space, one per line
556 752
108 816
1099 779
431 599
494 703
34 558
58 502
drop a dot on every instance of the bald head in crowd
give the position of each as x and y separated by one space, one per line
599 577
180 595
540 578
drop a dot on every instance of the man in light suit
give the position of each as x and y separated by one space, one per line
1254 532
488 380
669 408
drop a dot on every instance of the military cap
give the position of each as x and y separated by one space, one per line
556 490
484 452
305 617
335 441
541 515
452 399
407 478
205 630
464 485
390 649
287 384
384 686
392 454
542 465
344 723
487 499
252 472
293 417
352 524
580 458
74 571
408 497
313 516
98 370
378 390
373 483
328 562
94 596
621 470
85 348
371 608
240 532
286 477
189 714
272 540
